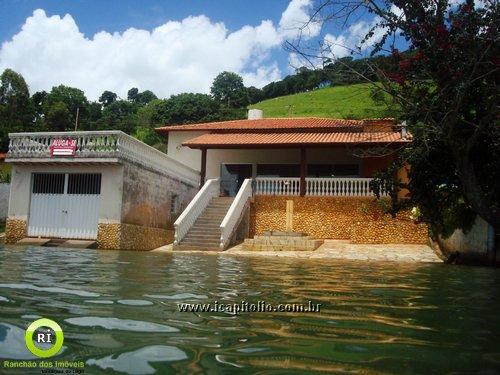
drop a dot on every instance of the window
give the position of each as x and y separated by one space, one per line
48 183
346 170
278 170
84 183
333 170
174 204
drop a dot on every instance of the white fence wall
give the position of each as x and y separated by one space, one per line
4 200
478 240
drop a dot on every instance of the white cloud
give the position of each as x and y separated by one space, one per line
268 73
178 56
353 39
295 21
335 46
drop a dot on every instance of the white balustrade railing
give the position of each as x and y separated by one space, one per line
100 144
330 186
185 221
232 218
277 185
339 186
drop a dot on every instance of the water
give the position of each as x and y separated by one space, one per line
118 311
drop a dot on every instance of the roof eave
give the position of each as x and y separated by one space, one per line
290 145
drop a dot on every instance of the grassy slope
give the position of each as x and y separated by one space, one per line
351 102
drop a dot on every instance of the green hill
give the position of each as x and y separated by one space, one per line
351 102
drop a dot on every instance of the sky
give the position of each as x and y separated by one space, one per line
167 47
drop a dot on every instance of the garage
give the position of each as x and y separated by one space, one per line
64 205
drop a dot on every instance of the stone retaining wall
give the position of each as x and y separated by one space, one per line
132 237
358 219
15 230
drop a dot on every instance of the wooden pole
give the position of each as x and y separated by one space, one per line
76 118
203 169
289 216
303 171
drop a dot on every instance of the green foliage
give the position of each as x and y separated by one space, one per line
187 108
137 97
146 96
107 97
254 94
435 188
149 136
5 176
228 90
133 94
447 89
16 109
336 102
61 106
387 181
119 115
59 117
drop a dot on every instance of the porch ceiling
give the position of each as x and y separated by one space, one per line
288 140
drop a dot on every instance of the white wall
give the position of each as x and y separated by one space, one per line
191 158
476 240
4 200
111 188
215 157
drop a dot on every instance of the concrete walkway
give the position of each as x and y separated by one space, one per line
334 249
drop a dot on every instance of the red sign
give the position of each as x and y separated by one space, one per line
63 147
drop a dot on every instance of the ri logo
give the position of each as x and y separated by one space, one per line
44 338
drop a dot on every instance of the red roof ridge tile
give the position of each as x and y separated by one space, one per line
265 123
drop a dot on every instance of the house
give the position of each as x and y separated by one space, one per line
248 167
102 186
219 183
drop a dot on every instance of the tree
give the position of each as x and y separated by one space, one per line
16 109
119 115
37 99
146 96
447 89
61 106
59 117
107 97
185 108
254 95
133 94
137 97
229 90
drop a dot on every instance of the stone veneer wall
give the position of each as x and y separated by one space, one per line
15 230
132 237
360 220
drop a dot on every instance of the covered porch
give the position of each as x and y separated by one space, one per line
305 171
331 164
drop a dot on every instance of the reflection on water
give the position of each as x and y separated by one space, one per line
118 311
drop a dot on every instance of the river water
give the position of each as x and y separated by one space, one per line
119 313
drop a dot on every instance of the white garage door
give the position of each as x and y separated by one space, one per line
65 205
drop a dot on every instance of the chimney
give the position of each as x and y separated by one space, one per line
255 114
404 132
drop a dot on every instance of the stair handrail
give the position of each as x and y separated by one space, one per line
235 211
201 200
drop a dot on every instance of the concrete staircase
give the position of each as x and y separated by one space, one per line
205 232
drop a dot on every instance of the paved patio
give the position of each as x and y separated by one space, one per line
335 249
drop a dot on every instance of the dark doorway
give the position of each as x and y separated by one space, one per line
232 176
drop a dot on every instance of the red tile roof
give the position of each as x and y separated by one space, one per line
272 124
247 140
